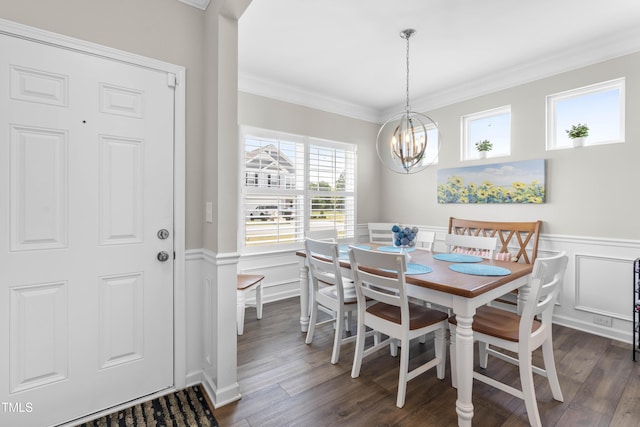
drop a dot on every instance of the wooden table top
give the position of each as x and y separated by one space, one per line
446 280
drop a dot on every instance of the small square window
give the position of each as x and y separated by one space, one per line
491 125
599 106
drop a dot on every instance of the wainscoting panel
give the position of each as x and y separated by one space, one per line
600 283
280 272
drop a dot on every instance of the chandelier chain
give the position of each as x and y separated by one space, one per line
408 107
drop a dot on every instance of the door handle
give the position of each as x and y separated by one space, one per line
163 256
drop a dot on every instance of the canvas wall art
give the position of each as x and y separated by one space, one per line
507 183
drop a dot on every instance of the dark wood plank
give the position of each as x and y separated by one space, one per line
285 382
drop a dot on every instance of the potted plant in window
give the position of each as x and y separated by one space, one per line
483 147
578 133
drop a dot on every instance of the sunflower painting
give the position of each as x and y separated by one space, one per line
511 182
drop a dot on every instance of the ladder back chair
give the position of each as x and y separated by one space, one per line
521 334
337 296
474 245
425 240
327 234
380 232
517 240
393 315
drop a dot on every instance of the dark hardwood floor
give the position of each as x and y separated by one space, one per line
285 382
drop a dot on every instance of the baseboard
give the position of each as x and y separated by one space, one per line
602 331
220 397
193 378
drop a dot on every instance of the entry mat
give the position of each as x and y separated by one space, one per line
188 407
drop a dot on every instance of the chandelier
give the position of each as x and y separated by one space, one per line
402 140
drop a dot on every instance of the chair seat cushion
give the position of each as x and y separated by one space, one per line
349 294
420 316
497 323
468 251
505 256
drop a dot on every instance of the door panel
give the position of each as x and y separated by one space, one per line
85 184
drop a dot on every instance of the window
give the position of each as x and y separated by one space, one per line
599 106
492 125
295 183
433 146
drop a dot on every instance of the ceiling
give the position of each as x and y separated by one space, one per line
346 56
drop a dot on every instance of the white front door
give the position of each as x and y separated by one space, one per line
86 183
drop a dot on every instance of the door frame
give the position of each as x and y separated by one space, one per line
179 163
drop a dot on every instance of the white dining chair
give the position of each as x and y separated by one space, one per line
425 240
393 315
521 334
327 234
337 296
474 245
380 232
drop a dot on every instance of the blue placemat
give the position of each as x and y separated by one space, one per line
457 258
393 249
480 269
345 248
413 268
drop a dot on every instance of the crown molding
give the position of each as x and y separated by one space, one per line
281 92
619 44
200 4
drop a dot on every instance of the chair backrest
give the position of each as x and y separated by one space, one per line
371 283
425 239
324 264
519 238
380 232
327 234
475 245
545 279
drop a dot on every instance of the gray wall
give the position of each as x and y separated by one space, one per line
166 30
590 190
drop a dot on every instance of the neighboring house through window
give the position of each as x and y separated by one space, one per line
295 183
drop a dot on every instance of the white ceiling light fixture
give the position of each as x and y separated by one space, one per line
402 140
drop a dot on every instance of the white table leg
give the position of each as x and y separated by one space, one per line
464 368
304 295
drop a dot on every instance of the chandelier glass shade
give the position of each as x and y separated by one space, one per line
403 140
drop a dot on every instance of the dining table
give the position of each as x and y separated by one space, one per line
451 281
